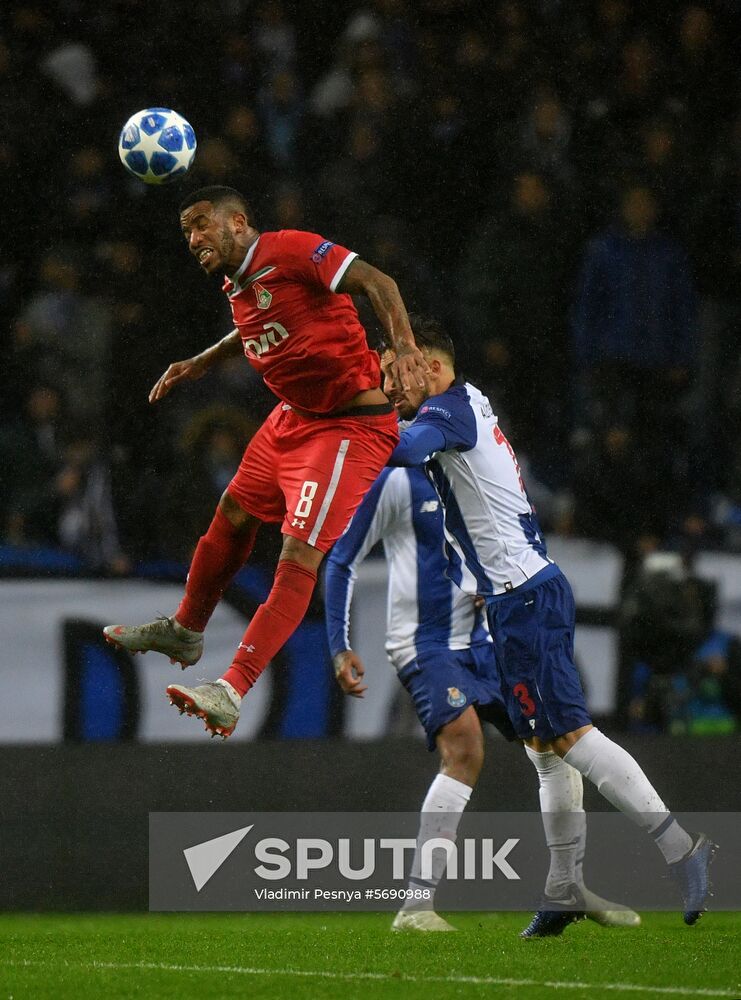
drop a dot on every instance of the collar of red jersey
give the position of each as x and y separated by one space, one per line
234 281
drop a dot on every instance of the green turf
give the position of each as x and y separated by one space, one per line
134 956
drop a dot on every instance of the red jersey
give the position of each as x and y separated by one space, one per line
305 340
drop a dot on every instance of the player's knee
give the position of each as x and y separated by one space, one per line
301 552
562 744
236 515
538 745
463 763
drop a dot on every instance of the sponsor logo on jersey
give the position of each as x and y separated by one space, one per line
436 409
456 698
321 251
263 296
429 506
275 333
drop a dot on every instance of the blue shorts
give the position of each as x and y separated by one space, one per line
444 682
533 632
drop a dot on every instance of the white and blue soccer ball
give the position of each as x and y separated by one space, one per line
157 145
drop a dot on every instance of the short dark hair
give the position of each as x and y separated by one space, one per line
218 195
429 333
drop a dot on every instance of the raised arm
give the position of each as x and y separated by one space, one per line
362 278
196 367
416 444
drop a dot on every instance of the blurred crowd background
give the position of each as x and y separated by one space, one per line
558 180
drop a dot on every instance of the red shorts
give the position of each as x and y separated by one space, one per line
312 473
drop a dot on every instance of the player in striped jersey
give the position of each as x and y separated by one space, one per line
495 548
438 641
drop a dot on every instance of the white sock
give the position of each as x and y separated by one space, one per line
441 813
622 782
580 852
564 819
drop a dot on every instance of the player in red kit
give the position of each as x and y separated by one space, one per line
312 461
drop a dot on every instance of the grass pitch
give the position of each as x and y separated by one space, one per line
335 955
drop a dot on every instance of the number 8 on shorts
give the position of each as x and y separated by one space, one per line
308 492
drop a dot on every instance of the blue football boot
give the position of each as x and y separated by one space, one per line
555 915
692 876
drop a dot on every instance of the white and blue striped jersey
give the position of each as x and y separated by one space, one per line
494 540
424 607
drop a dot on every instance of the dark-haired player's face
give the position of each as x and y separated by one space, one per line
406 402
210 236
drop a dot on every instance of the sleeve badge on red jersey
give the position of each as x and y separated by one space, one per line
321 251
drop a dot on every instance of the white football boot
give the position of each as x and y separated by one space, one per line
420 920
216 702
608 914
164 635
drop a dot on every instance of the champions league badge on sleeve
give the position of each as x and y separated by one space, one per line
321 251
436 409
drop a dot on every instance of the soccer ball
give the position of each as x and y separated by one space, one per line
157 145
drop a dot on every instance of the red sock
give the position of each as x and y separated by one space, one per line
273 624
220 553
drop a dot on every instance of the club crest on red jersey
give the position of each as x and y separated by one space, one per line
263 296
